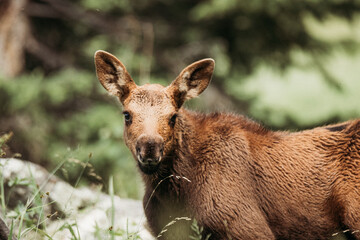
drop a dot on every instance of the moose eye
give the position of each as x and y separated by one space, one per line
127 117
173 120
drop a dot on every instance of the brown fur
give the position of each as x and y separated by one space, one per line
246 182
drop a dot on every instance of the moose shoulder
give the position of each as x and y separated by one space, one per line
237 179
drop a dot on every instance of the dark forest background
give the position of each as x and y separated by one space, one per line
290 64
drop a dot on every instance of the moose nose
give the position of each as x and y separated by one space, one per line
149 149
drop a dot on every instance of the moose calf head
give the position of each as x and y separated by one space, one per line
150 111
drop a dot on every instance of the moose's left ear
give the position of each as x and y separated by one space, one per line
192 81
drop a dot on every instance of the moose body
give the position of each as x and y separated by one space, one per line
236 178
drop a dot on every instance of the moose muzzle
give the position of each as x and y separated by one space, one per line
149 151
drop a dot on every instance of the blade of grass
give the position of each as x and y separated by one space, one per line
2 192
10 237
41 206
111 193
22 218
77 229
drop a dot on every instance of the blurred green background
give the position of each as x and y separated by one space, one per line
290 64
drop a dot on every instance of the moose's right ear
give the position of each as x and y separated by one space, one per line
112 75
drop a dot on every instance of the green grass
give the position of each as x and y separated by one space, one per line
30 218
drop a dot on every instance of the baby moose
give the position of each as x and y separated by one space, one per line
236 178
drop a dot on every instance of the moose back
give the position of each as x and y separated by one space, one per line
236 178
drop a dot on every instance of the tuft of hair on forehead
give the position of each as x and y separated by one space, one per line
150 94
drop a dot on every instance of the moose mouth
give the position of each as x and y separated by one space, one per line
149 166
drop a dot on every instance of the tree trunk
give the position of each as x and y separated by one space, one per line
14 29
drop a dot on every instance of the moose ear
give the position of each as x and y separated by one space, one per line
112 75
192 81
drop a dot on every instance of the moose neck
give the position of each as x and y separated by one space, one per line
175 168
